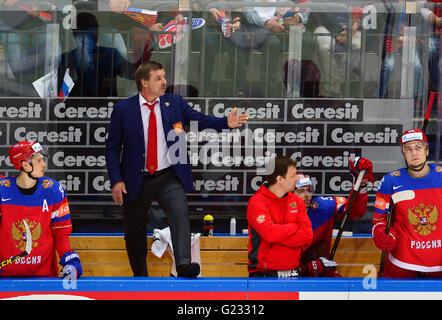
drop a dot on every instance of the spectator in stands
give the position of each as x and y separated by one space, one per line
394 21
23 37
301 77
279 228
100 51
306 80
433 16
323 211
145 37
332 28
223 34
149 166
264 25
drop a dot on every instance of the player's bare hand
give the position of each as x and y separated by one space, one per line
274 25
214 14
157 27
117 193
235 120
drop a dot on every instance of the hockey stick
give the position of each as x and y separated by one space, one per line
395 199
27 251
427 114
347 212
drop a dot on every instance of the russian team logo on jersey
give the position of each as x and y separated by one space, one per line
47 183
314 205
18 233
261 218
396 173
438 169
293 206
5 183
423 218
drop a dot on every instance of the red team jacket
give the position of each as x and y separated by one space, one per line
48 216
279 229
418 222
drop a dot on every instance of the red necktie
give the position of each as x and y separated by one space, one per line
151 157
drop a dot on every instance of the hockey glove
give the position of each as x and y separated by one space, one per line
382 240
361 164
70 262
318 267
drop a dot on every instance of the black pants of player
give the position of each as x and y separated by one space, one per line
165 188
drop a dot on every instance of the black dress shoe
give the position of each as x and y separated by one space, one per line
191 270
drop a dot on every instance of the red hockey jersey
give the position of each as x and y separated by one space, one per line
418 222
322 213
47 214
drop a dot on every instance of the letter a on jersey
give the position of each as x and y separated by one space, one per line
45 206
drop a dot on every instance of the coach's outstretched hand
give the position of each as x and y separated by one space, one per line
235 120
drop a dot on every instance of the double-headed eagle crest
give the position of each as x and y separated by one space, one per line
423 218
18 233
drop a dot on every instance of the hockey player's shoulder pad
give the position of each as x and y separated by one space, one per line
323 203
54 188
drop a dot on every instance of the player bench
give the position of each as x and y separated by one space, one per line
221 256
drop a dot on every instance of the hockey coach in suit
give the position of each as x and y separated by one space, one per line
146 159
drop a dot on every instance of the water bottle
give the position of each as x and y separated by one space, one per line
232 226
208 225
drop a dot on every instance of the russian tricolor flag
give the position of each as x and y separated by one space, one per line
143 11
66 86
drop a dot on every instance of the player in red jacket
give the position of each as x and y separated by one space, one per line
323 211
37 204
279 228
414 241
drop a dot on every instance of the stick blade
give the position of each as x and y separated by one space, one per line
402 196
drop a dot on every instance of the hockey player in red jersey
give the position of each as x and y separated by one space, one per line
323 211
40 202
279 228
413 244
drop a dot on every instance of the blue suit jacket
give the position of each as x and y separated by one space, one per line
125 145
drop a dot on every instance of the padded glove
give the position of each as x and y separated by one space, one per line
382 240
318 267
361 164
70 262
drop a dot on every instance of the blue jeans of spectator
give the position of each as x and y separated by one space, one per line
94 62
266 41
215 44
435 63
387 69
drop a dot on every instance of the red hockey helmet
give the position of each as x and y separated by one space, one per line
305 182
413 134
23 151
